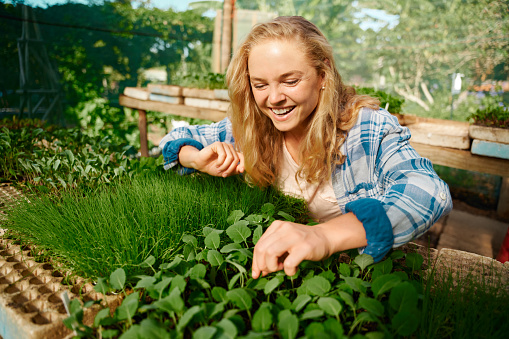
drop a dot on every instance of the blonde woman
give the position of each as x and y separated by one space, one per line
292 123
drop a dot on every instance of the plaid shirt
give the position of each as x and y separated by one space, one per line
393 191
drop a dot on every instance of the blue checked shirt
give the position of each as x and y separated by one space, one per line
393 191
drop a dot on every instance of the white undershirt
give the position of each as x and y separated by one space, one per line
321 200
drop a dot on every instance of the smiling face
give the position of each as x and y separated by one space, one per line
285 86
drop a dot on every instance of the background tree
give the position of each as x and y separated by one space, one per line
435 38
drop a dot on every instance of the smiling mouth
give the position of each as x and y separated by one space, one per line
282 111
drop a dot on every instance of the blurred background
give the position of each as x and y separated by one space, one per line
67 61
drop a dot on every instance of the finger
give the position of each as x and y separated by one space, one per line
225 161
240 166
232 169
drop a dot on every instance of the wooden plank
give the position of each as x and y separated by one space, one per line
198 93
444 134
490 149
206 103
182 110
137 93
461 159
489 133
171 90
221 94
166 98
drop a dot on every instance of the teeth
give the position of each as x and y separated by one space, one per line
282 110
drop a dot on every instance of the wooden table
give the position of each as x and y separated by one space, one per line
445 156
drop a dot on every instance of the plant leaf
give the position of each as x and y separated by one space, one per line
300 302
102 314
190 239
272 284
205 332
187 317
403 297
286 216
240 298
356 284
363 260
230 247
313 314
268 210
333 329
228 328
257 234
384 283
239 231
234 217
263 319
117 279
152 329
219 294
215 258
405 323
318 286
288 324
330 306
149 262
344 269
414 261
212 240
371 305
128 307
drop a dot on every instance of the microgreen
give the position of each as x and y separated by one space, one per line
212 294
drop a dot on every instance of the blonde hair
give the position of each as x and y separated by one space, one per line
336 112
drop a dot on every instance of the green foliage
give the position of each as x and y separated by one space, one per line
203 80
49 157
94 231
215 297
392 102
492 116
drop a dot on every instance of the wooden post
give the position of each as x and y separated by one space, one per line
226 40
142 126
216 43
503 199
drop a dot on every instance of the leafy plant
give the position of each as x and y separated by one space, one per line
119 225
207 292
391 102
51 157
203 80
491 116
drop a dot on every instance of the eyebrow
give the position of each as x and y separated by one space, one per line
285 75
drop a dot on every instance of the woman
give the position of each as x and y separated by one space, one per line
292 123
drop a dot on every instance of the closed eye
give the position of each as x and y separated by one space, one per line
291 82
258 86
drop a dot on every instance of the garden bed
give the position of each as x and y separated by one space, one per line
208 274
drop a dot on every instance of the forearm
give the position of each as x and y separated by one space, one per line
343 233
187 156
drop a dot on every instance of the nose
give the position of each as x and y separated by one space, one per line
276 96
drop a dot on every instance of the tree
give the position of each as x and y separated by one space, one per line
435 38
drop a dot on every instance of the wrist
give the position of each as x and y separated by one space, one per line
187 156
343 233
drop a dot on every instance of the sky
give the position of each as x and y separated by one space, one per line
179 5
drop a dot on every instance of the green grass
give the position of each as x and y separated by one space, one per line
471 306
123 224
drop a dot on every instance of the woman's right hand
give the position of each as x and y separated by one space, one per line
219 159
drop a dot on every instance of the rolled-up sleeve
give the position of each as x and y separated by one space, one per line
198 136
394 180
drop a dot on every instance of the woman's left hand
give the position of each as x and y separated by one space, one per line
284 245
